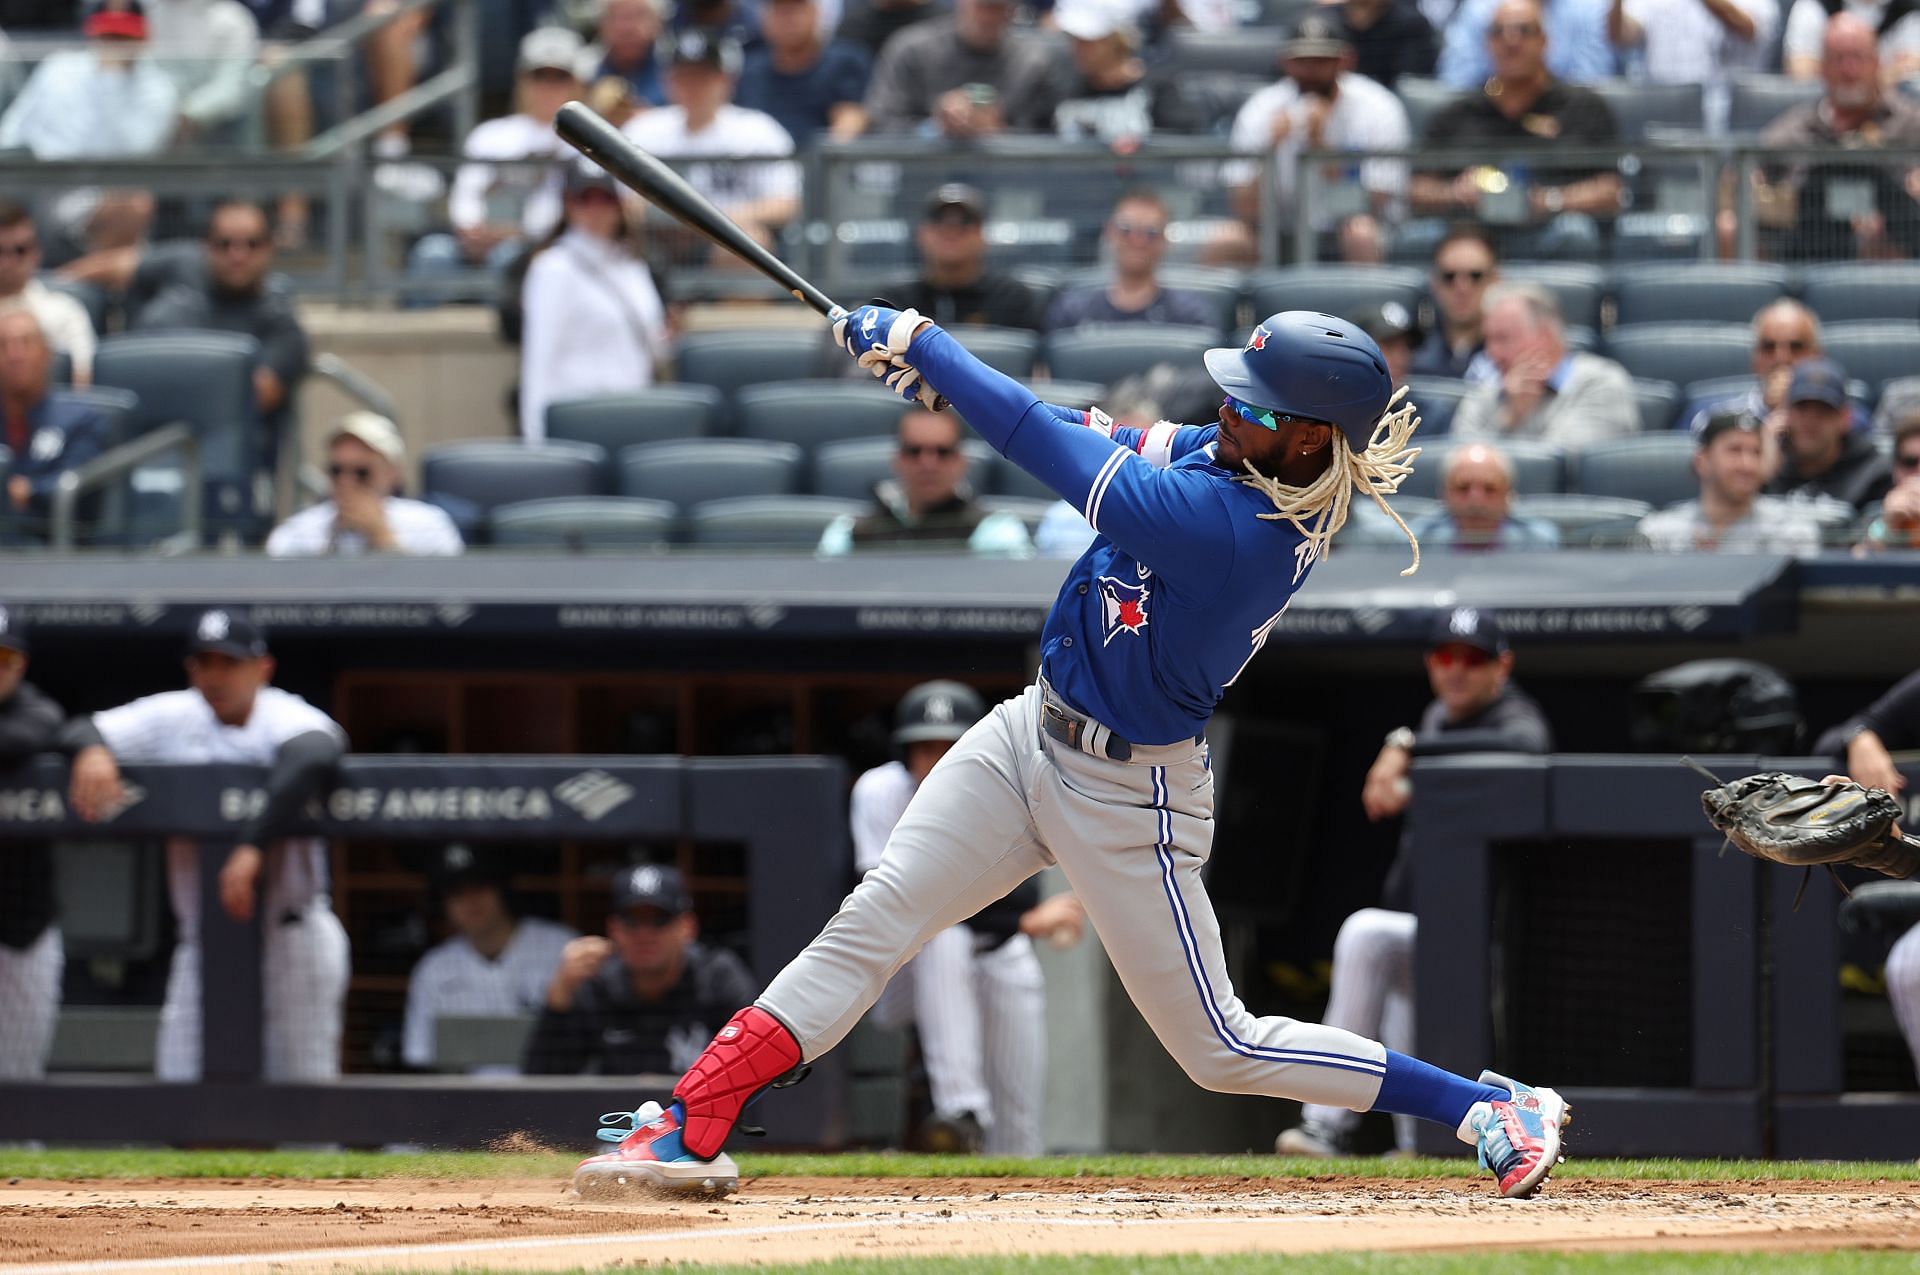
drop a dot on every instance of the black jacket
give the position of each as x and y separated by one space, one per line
29 724
612 1032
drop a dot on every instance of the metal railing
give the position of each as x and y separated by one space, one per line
118 464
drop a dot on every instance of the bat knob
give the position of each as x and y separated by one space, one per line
838 313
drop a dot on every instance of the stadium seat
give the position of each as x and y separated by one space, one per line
585 522
1367 527
1726 387
1699 291
849 469
1656 468
995 474
91 297
1637 104
1586 520
643 416
1436 397
1681 352
1028 509
730 358
1658 236
1334 289
1538 468
1044 282
820 411
1422 97
1222 289
768 520
1081 394
1842 291
1874 352
101 518
1579 287
1239 50
1659 403
486 473
1011 351
690 471
1759 100
1108 352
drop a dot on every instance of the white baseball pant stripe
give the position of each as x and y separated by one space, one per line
1903 988
1132 839
1372 995
29 1004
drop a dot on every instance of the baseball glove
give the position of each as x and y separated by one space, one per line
1809 823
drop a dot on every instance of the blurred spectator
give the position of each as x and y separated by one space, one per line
1573 34
234 297
32 954
207 48
1524 106
1841 210
1136 239
1396 331
1730 515
1896 524
871 23
109 100
1694 41
1465 265
626 49
233 714
1361 241
289 96
593 319
1543 391
64 321
1321 104
1390 38
966 75
955 285
365 513
1476 707
492 964
1820 453
47 432
1785 335
1112 97
1894 24
806 82
735 20
648 997
928 502
1476 492
751 181
496 212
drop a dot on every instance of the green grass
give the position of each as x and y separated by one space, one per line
1843 1262
72 1163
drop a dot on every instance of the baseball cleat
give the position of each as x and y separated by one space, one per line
1518 1138
1311 1140
650 1157
953 1135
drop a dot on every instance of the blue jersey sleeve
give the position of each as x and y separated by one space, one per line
1160 445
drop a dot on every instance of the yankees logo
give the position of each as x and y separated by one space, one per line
214 626
1123 608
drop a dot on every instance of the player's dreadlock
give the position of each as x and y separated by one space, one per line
1320 508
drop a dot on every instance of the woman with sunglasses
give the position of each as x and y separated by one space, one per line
1204 535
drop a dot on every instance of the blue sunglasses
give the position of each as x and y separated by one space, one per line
1259 415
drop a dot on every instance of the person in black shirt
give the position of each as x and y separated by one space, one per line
1136 237
1390 38
1476 708
31 954
1818 452
647 998
955 286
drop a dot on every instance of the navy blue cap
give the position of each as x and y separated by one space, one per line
1309 365
1468 626
224 632
651 885
1818 380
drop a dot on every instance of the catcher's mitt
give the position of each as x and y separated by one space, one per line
1812 823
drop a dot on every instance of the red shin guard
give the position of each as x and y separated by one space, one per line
751 1052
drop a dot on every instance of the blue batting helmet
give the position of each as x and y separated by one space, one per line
1311 365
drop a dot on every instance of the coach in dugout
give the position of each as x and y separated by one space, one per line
232 715
647 998
31 953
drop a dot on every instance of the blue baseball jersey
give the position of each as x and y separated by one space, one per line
1184 581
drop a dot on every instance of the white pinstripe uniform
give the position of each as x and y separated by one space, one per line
304 948
29 1004
981 1014
1903 988
455 979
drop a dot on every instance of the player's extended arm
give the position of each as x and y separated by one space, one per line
301 769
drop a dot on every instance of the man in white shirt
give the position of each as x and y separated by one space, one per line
234 716
1322 104
207 48
1693 41
365 515
493 964
1899 39
63 320
749 176
105 101
1730 515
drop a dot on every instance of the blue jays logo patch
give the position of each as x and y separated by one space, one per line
1258 341
1123 608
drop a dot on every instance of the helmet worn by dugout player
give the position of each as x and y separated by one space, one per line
936 711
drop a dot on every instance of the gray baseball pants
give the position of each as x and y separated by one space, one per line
1132 838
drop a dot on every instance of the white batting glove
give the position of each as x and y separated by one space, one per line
878 337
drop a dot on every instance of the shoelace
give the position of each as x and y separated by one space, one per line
633 1123
1495 1126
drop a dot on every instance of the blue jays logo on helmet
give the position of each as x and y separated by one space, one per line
1309 365
1123 608
1258 341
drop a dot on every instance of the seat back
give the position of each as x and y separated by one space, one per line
690 472
731 358
1681 352
1586 520
1109 352
849 469
1759 100
1697 291
1334 289
1580 287
1422 97
1435 398
585 522
613 421
1238 50
1659 403
486 473
1538 468
1656 468
791 521
1841 291
1637 105
1009 351
818 411
1874 351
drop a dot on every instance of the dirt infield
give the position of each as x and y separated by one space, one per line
303 1227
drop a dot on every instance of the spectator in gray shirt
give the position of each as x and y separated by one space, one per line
966 75
1544 391
1730 515
1136 238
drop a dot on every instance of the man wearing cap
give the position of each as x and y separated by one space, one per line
31 954
46 431
644 999
1113 97
809 84
967 74
1136 237
1321 104
1476 708
105 101
1730 515
492 963
1820 454
749 174
233 715
365 513
955 285
1786 333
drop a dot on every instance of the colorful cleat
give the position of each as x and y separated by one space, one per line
1518 1138
651 1157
